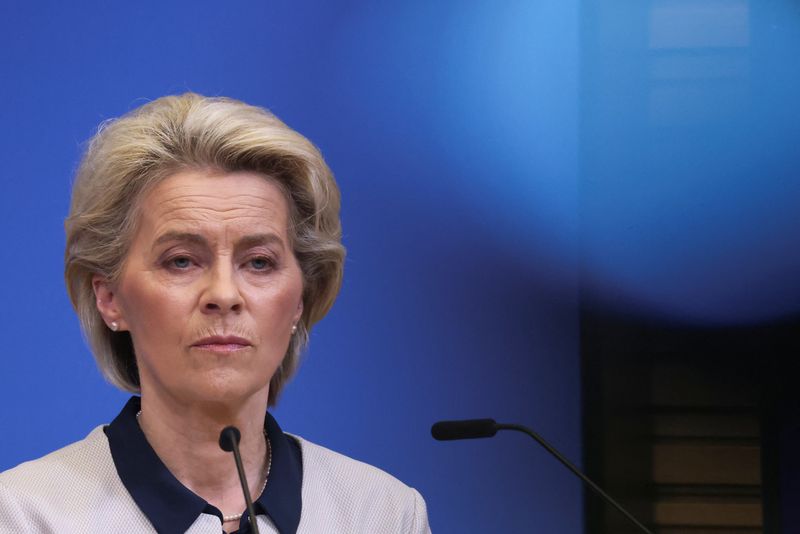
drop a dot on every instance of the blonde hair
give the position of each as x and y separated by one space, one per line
129 155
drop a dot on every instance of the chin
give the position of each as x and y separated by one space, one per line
228 389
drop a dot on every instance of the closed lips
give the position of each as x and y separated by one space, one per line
222 342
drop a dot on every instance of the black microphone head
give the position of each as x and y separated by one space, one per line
229 438
466 429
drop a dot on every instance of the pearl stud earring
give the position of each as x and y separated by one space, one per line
114 326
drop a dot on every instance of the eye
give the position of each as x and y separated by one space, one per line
180 262
260 263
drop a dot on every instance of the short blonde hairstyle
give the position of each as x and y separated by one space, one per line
129 155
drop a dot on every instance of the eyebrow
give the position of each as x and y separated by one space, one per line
180 236
248 241
255 240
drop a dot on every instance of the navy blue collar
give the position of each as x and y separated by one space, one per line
171 507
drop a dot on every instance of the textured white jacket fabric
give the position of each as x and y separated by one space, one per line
77 490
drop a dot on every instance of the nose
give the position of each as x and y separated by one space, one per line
221 294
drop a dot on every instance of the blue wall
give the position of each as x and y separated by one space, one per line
454 141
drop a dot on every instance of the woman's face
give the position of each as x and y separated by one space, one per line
210 288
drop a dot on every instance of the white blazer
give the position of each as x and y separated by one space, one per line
77 490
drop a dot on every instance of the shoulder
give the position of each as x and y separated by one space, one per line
63 490
77 461
355 495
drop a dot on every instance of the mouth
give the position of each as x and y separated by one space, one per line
222 344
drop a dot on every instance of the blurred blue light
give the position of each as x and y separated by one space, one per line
689 186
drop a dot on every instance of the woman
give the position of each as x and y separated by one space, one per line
203 243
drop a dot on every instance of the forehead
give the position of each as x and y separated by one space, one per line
200 199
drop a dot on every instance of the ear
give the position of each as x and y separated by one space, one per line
107 303
298 312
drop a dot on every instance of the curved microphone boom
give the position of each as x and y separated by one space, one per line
486 428
229 442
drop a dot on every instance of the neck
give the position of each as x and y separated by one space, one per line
185 436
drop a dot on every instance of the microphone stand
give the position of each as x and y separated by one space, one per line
486 428
229 442
569 465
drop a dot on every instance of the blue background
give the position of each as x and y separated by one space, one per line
497 160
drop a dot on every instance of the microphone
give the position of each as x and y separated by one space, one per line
467 429
486 428
229 442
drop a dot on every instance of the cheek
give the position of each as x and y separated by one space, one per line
150 307
277 309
